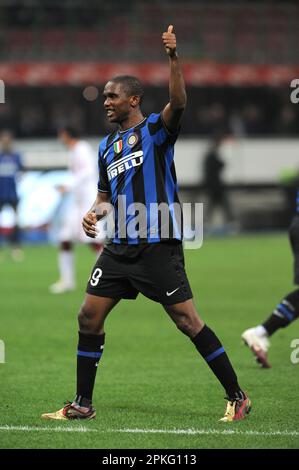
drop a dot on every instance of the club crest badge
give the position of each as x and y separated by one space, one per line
132 140
118 146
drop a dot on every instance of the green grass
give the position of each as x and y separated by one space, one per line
151 376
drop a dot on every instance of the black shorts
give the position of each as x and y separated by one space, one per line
294 239
157 270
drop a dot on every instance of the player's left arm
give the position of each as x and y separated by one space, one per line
173 111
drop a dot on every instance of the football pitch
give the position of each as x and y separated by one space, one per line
153 390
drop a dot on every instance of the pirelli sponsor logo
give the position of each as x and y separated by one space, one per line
125 163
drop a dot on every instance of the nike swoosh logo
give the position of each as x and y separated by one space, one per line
170 293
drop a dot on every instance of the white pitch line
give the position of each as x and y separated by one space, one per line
201 432
224 432
45 428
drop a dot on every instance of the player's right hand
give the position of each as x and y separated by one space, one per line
169 41
89 224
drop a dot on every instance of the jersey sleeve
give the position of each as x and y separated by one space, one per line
159 132
103 183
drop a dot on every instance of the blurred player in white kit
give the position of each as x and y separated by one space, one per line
81 188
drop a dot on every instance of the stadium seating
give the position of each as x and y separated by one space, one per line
225 31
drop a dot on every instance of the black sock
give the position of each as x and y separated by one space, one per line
90 349
209 346
285 312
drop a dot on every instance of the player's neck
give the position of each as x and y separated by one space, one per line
132 121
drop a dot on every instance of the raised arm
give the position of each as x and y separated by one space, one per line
173 111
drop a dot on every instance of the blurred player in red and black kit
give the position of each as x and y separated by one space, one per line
82 168
136 161
257 338
10 168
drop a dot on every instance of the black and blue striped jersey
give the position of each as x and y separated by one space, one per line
136 167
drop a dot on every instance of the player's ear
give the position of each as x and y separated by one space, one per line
134 101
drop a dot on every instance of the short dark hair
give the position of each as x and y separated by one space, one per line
71 131
132 85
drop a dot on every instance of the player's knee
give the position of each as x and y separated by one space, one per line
186 324
86 320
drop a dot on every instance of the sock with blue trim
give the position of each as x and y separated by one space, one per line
209 346
285 312
90 349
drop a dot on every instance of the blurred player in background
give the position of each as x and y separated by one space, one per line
213 168
10 168
136 161
257 338
82 165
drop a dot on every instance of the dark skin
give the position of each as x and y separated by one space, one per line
125 111
121 108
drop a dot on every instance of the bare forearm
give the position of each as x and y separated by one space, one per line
173 111
100 205
177 91
96 203
100 208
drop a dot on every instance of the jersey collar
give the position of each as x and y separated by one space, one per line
133 127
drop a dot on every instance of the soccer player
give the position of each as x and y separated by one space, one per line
82 165
136 161
213 167
10 168
257 338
